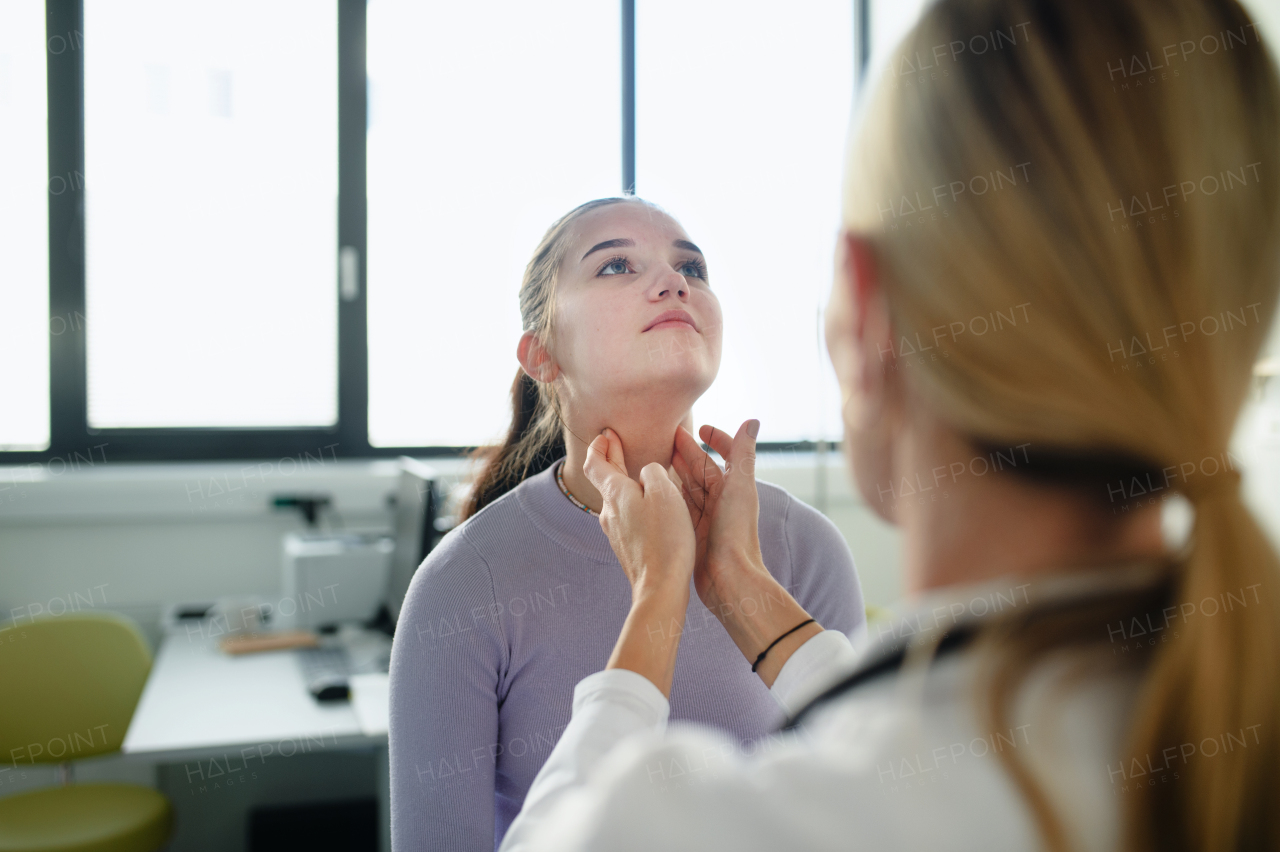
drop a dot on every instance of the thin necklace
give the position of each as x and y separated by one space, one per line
564 490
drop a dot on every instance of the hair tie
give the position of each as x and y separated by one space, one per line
1222 484
760 658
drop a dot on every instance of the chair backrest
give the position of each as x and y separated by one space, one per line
70 685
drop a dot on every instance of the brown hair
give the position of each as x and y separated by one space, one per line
1056 106
535 438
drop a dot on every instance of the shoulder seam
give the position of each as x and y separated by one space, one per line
493 598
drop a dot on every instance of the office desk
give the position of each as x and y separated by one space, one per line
202 703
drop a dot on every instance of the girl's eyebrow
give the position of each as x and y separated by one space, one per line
620 243
608 244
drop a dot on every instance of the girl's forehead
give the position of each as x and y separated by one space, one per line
629 219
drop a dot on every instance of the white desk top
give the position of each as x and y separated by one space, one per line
199 699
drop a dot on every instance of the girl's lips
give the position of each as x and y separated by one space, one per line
672 319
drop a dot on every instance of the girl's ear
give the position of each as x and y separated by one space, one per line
535 359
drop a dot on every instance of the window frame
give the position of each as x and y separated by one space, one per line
70 437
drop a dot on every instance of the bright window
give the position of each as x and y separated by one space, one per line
741 115
25 185
211 166
891 20
487 122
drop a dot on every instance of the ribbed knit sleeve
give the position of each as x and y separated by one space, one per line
823 578
447 663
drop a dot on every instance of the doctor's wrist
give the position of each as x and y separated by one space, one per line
659 591
651 634
757 612
740 592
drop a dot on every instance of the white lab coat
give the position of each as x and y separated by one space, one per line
906 760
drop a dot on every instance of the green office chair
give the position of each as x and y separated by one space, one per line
70 686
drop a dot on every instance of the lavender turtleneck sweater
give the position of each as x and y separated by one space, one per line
525 599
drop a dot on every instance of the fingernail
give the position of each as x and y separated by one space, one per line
753 428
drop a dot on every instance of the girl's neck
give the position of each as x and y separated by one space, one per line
644 440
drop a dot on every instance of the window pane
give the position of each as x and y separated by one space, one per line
24 228
741 115
212 155
890 22
501 118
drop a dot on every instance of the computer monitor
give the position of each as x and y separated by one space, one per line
415 528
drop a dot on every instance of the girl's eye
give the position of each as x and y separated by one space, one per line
693 269
615 267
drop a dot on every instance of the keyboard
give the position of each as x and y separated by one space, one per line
318 663
325 671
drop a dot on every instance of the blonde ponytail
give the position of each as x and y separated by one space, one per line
1212 696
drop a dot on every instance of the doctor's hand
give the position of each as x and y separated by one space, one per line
646 521
729 572
649 529
723 506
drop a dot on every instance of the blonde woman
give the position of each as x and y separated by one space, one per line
1059 679
525 597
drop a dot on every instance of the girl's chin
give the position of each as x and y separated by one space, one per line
689 375
679 383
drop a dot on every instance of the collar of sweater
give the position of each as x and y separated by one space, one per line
556 517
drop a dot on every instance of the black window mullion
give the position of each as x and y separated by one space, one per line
353 123
68 403
861 40
628 96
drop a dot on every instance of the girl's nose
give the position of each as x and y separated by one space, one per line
671 282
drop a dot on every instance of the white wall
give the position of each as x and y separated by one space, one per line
135 537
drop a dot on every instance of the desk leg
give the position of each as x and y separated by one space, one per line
384 799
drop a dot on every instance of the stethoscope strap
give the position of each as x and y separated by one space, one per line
886 663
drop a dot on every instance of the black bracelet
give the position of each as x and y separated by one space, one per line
776 641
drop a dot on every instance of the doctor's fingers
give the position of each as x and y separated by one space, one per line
605 466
